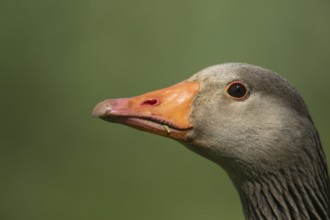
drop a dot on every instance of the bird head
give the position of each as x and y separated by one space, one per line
245 118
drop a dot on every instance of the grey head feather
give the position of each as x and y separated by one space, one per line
267 143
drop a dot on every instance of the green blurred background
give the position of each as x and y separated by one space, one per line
59 58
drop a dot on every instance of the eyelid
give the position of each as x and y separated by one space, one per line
246 95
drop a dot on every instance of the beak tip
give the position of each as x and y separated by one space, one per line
95 113
101 109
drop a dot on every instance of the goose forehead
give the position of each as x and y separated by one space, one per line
225 73
217 73
260 80
255 77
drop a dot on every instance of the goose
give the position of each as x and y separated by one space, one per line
251 122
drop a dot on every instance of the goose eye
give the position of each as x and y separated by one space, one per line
237 90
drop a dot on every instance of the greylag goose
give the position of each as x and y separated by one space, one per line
251 122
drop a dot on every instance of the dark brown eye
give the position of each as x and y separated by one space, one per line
237 90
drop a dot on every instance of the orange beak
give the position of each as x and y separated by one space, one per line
164 112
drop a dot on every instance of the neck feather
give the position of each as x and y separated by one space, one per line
285 196
295 193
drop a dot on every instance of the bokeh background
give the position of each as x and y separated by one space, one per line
59 58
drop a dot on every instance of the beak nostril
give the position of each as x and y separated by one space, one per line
150 102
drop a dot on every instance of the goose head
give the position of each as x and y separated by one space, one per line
251 122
